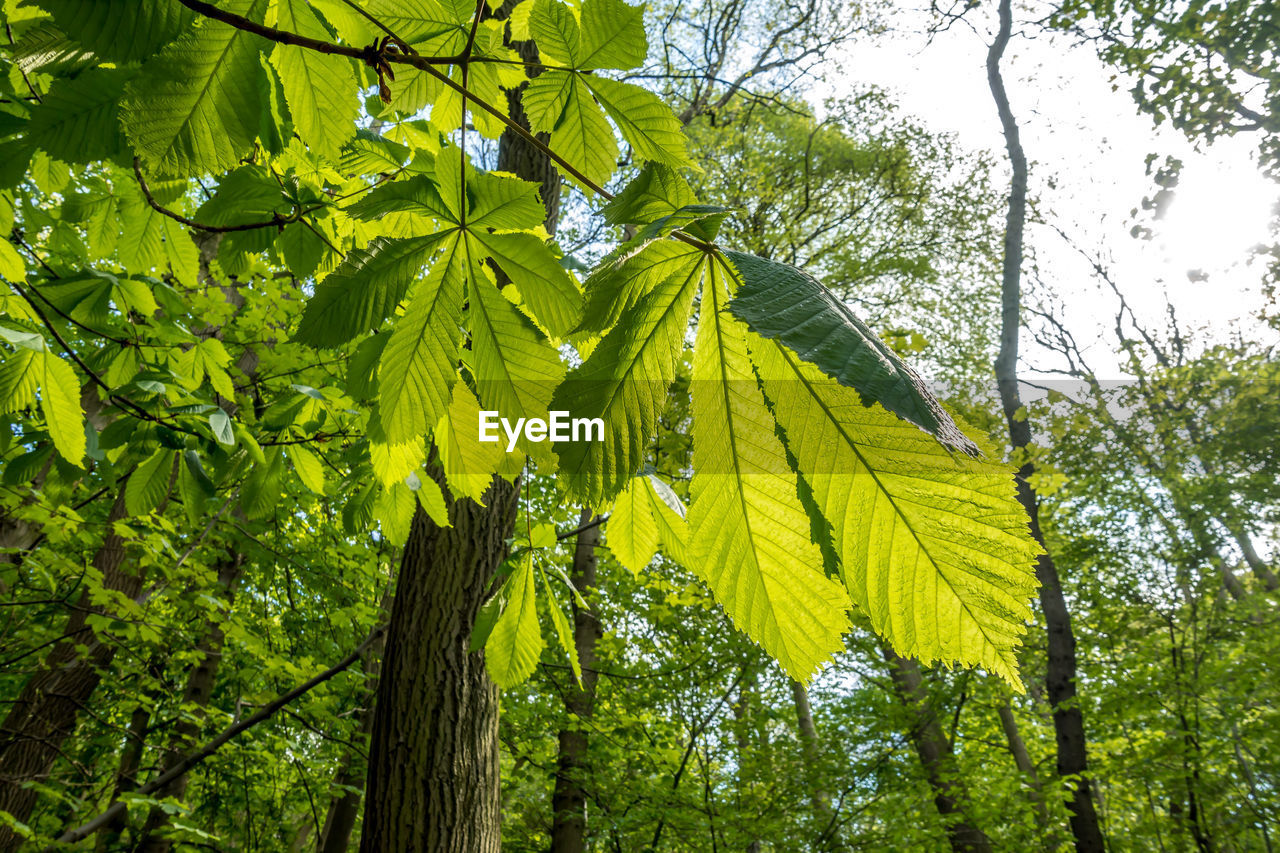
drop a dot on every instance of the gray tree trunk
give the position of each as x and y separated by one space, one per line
1068 721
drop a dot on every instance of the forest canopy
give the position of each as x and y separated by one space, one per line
270 266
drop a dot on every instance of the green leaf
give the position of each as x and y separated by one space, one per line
60 402
562 105
749 534
12 266
260 495
195 107
632 532
19 375
394 511
613 35
657 191
308 466
503 202
469 464
431 498
78 122
515 643
934 546
624 382
645 120
220 423
420 363
392 463
564 633
321 90
516 369
149 483
546 288
556 32
781 302
120 30
364 290
646 515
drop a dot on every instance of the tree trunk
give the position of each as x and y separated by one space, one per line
433 756
1022 759
569 800
127 774
934 750
340 820
1060 678
46 710
198 692
818 796
433 781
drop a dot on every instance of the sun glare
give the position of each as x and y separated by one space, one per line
1220 210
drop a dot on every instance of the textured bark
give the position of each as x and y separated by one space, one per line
1068 721
48 707
569 799
934 751
433 758
199 690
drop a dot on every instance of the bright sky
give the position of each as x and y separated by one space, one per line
1087 146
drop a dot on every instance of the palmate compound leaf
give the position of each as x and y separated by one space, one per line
748 532
624 382
195 106
781 302
933 545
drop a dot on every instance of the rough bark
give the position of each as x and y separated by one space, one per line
196 695
433 783
1068 721
48 707
569 799
934 750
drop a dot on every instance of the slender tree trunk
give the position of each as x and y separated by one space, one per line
1259 566
934 751
819 798
433 757
569 800
198 692
1022 760
46 710
127 774
340 820
1060 679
